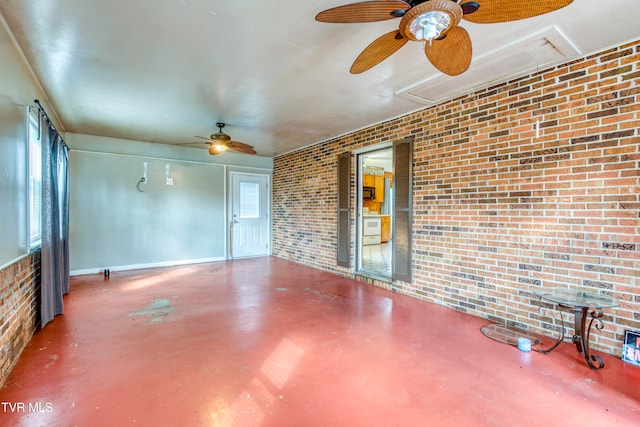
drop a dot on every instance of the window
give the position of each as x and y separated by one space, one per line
34 158
249 200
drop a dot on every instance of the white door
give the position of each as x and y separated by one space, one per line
250 225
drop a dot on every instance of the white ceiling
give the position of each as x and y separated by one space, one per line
167 70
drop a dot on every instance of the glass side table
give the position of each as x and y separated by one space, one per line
584 305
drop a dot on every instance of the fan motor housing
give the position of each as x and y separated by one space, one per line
220 136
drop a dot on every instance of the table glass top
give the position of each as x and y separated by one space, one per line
576 298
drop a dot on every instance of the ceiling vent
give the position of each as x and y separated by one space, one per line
525 56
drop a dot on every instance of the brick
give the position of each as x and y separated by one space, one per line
498 211
20 288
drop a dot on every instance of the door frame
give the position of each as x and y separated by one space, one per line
359 153
229 214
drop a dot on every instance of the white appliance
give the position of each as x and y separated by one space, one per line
371 230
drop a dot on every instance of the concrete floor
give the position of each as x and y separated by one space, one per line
266 342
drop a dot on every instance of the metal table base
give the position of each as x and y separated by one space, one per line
585 306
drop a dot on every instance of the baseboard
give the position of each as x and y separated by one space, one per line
148 265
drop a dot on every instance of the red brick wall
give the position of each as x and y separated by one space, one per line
19 310
498 211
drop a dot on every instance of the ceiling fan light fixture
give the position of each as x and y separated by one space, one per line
220 146
430 20
217 148
430 25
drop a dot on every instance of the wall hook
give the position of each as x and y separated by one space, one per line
143 180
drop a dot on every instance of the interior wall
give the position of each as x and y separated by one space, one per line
19 269
304 207
527 185
115 225
18 89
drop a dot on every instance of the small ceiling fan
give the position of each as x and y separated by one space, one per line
219 142
448 46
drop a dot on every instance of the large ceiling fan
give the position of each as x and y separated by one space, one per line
448 46
219 142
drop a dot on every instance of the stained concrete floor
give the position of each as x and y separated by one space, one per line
267 342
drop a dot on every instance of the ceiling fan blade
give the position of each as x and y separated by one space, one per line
379 50
451 55
366 11
240 144
242 149
494 11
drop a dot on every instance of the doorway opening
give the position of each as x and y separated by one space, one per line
375 213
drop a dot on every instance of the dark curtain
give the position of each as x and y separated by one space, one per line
55 223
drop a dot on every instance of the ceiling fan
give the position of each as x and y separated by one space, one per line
219 142
448 46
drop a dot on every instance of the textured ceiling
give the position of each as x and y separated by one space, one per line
167 70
